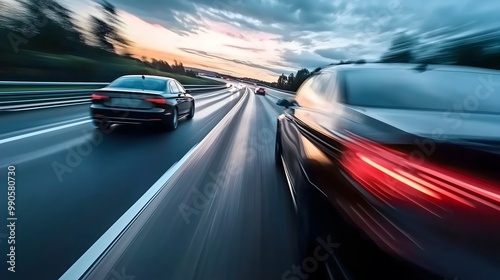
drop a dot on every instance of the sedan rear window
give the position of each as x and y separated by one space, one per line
139 83
429 90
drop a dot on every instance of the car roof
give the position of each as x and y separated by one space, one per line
149 76
407 66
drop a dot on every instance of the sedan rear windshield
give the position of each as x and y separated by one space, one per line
139 83
429 90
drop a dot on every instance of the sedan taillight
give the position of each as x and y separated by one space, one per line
156 100
96 96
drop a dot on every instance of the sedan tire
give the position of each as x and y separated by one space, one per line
191 111
101 125
170 123
277 151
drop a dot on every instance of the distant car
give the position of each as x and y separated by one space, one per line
240 85
260 90
136 99
387 146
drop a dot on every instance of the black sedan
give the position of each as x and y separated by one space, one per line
408 154
260 90
138 99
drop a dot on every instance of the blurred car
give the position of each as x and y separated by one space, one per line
409 154
240 86
136 99
260 90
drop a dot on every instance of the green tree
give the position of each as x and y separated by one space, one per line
178 68
300 77
102 32
47 25
107 32
191 73
401 50
291 80
282 81
165 67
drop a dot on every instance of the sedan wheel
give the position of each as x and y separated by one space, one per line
102 125
277 151
191 111
171 123
175 120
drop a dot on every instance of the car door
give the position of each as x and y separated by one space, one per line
320 125
186 99
290 138
306 135
176 91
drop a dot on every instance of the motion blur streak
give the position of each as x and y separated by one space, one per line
78 269
58 212
227 215
400 178
381 170
23 136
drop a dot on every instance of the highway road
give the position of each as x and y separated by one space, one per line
221 209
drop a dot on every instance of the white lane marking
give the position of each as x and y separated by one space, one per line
31 134
40 127
82 265
209 110
79 268
45 107
75 101
210 94
219 97
44 104
33 101
290 187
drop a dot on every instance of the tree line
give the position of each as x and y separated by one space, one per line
45 28
293 81
479 49
162 65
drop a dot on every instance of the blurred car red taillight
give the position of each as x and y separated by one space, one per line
96 96
396 178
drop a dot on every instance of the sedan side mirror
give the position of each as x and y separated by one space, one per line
284 103
188 91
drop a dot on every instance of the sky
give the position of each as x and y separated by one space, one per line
264 38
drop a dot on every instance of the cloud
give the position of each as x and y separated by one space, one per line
310 33
177 16
206 54
255 50
305 59
236 36
336 54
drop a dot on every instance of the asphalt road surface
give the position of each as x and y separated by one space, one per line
221 209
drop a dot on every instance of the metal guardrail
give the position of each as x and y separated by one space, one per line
287 91
284 91
276 89
23 83
22 100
